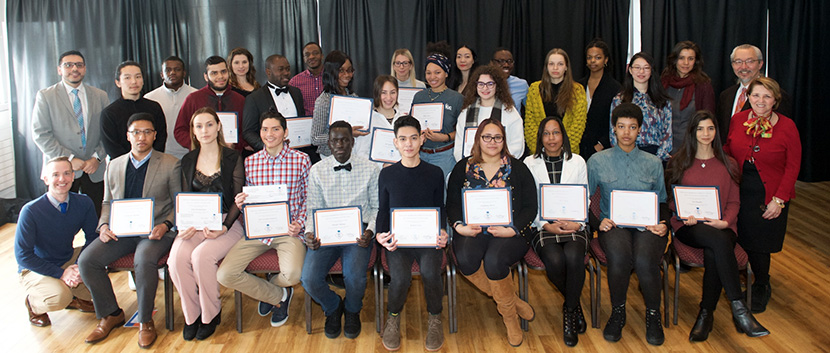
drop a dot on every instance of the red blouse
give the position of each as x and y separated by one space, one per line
714 173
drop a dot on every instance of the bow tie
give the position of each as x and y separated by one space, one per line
347 167
278 90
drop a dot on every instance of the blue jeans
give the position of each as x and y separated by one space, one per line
355 264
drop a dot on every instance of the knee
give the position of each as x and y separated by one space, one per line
291 276
226 277
551 257
58 300
646 264
496 270
87 261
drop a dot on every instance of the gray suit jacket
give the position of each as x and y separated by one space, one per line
162 182
56 131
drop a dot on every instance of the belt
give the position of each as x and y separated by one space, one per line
438 150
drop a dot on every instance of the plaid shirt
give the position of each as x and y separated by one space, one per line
289 167
311 86
330 188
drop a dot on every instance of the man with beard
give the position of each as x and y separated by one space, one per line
518 87
171 95
310 81
276 94
217 95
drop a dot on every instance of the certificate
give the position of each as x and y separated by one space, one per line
634 209
338 226
698 201
430 115
199 210
266 220
299 131
131 217
416 227
266 193
487 207
469 141
563 202
405 96
353 110
229 128
383 148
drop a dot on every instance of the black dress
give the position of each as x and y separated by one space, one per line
755 233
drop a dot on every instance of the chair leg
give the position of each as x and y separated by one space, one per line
665 266
750 279
379 305
676 287
454 306
599 293
591 287
237 304
522 270
168 299
378 284
307 312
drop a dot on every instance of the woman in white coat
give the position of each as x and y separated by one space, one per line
561 244
385 94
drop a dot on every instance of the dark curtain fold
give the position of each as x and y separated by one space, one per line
799 33
609 20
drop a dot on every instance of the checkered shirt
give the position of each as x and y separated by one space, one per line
330 188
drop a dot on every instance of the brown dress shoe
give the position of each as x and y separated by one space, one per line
39 320
104 327
84 306
146 334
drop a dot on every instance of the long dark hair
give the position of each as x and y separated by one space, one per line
685 157
566 142
475 153
455 78
502 89
697 70
331 71
655 88
565 99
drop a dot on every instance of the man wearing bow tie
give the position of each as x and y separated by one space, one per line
276 94
339 180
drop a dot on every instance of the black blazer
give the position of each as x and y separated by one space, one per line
599 114
727 99
233 177
258 102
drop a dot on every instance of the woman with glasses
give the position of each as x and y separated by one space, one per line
403 69
642 88
338 73
485 253
556 95
600 89
688 86
488 97
243 77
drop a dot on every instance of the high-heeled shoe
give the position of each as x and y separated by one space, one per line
581 325
702 327
189 331
745 322
206 330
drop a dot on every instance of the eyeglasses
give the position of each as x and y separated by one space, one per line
402 63
136 133
68 65
489 84
741 62
492 138
347 71
503 61
641 68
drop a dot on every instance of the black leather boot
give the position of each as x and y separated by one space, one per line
702 327
745 322
569 324
580 320
613 329
654 327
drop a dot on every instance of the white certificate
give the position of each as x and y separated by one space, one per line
563 202
487 207
198 210
405 96
383 148
430 115
416 227
229 128
697 201
469 141
635 209
338 226
266 193
353 110
131 217
266 220
299 131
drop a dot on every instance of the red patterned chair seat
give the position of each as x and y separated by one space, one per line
127 263
692 256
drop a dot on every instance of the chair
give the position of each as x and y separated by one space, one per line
454 285
127 263
693 257
382 266
267 262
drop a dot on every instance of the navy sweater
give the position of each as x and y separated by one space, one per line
399 186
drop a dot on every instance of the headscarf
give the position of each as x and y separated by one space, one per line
440 60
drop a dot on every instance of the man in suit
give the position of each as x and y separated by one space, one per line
170 95
141 173
277 94
747 62
66 122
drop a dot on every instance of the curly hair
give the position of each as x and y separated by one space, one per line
502 89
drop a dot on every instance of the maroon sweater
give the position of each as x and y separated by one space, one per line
715 174
205 97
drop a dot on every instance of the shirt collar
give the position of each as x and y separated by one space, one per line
633 154
55 201
69 89
136 163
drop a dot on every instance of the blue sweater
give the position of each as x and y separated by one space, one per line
43 240
399 186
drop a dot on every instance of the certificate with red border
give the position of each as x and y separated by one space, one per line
131 217
338 225
634 209
266 220
563 202
229 129
487 207
416 227
353 110
698 201
430 115
199 210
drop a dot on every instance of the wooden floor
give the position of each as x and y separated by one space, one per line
798 314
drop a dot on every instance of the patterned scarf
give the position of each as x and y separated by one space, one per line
758 125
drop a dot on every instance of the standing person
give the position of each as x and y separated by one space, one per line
562 244
277 94
600 89
210 167
170 96
65 122
701 161
403 69
688 86
338 74
46 260
339 180
411 183
642 88
130 79
485 254
437 150
518 86
275 164
310 81
217 95
769 162
465 63
488 97
243 78
626 167
141 173
556 94
385 94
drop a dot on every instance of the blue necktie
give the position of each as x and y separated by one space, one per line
63 207
79 114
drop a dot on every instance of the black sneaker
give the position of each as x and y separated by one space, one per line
654 327
613 329
351 328
279 313
333 326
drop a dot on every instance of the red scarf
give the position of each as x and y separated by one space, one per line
676 82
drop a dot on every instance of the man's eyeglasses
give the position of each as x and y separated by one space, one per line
741 62
68 65
141 132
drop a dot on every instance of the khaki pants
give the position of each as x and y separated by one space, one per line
291 253
48 293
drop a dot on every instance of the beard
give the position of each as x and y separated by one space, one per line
214 87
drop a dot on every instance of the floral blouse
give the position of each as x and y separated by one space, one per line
477 180
656 128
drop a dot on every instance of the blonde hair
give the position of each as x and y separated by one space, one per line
405 52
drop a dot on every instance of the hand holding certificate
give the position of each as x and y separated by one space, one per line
131 217
353 110
563 202
299 131
382 148
416 227
430 115
634 209
487 207
229 128
338 226
198 210
696 201
266 220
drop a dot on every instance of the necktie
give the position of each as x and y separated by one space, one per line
347 167
741 102
79 115
63 207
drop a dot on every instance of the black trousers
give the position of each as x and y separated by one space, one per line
721 266
498 254
95 191
565 267
627 249
400 271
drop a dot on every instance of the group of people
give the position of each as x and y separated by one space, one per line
642 135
